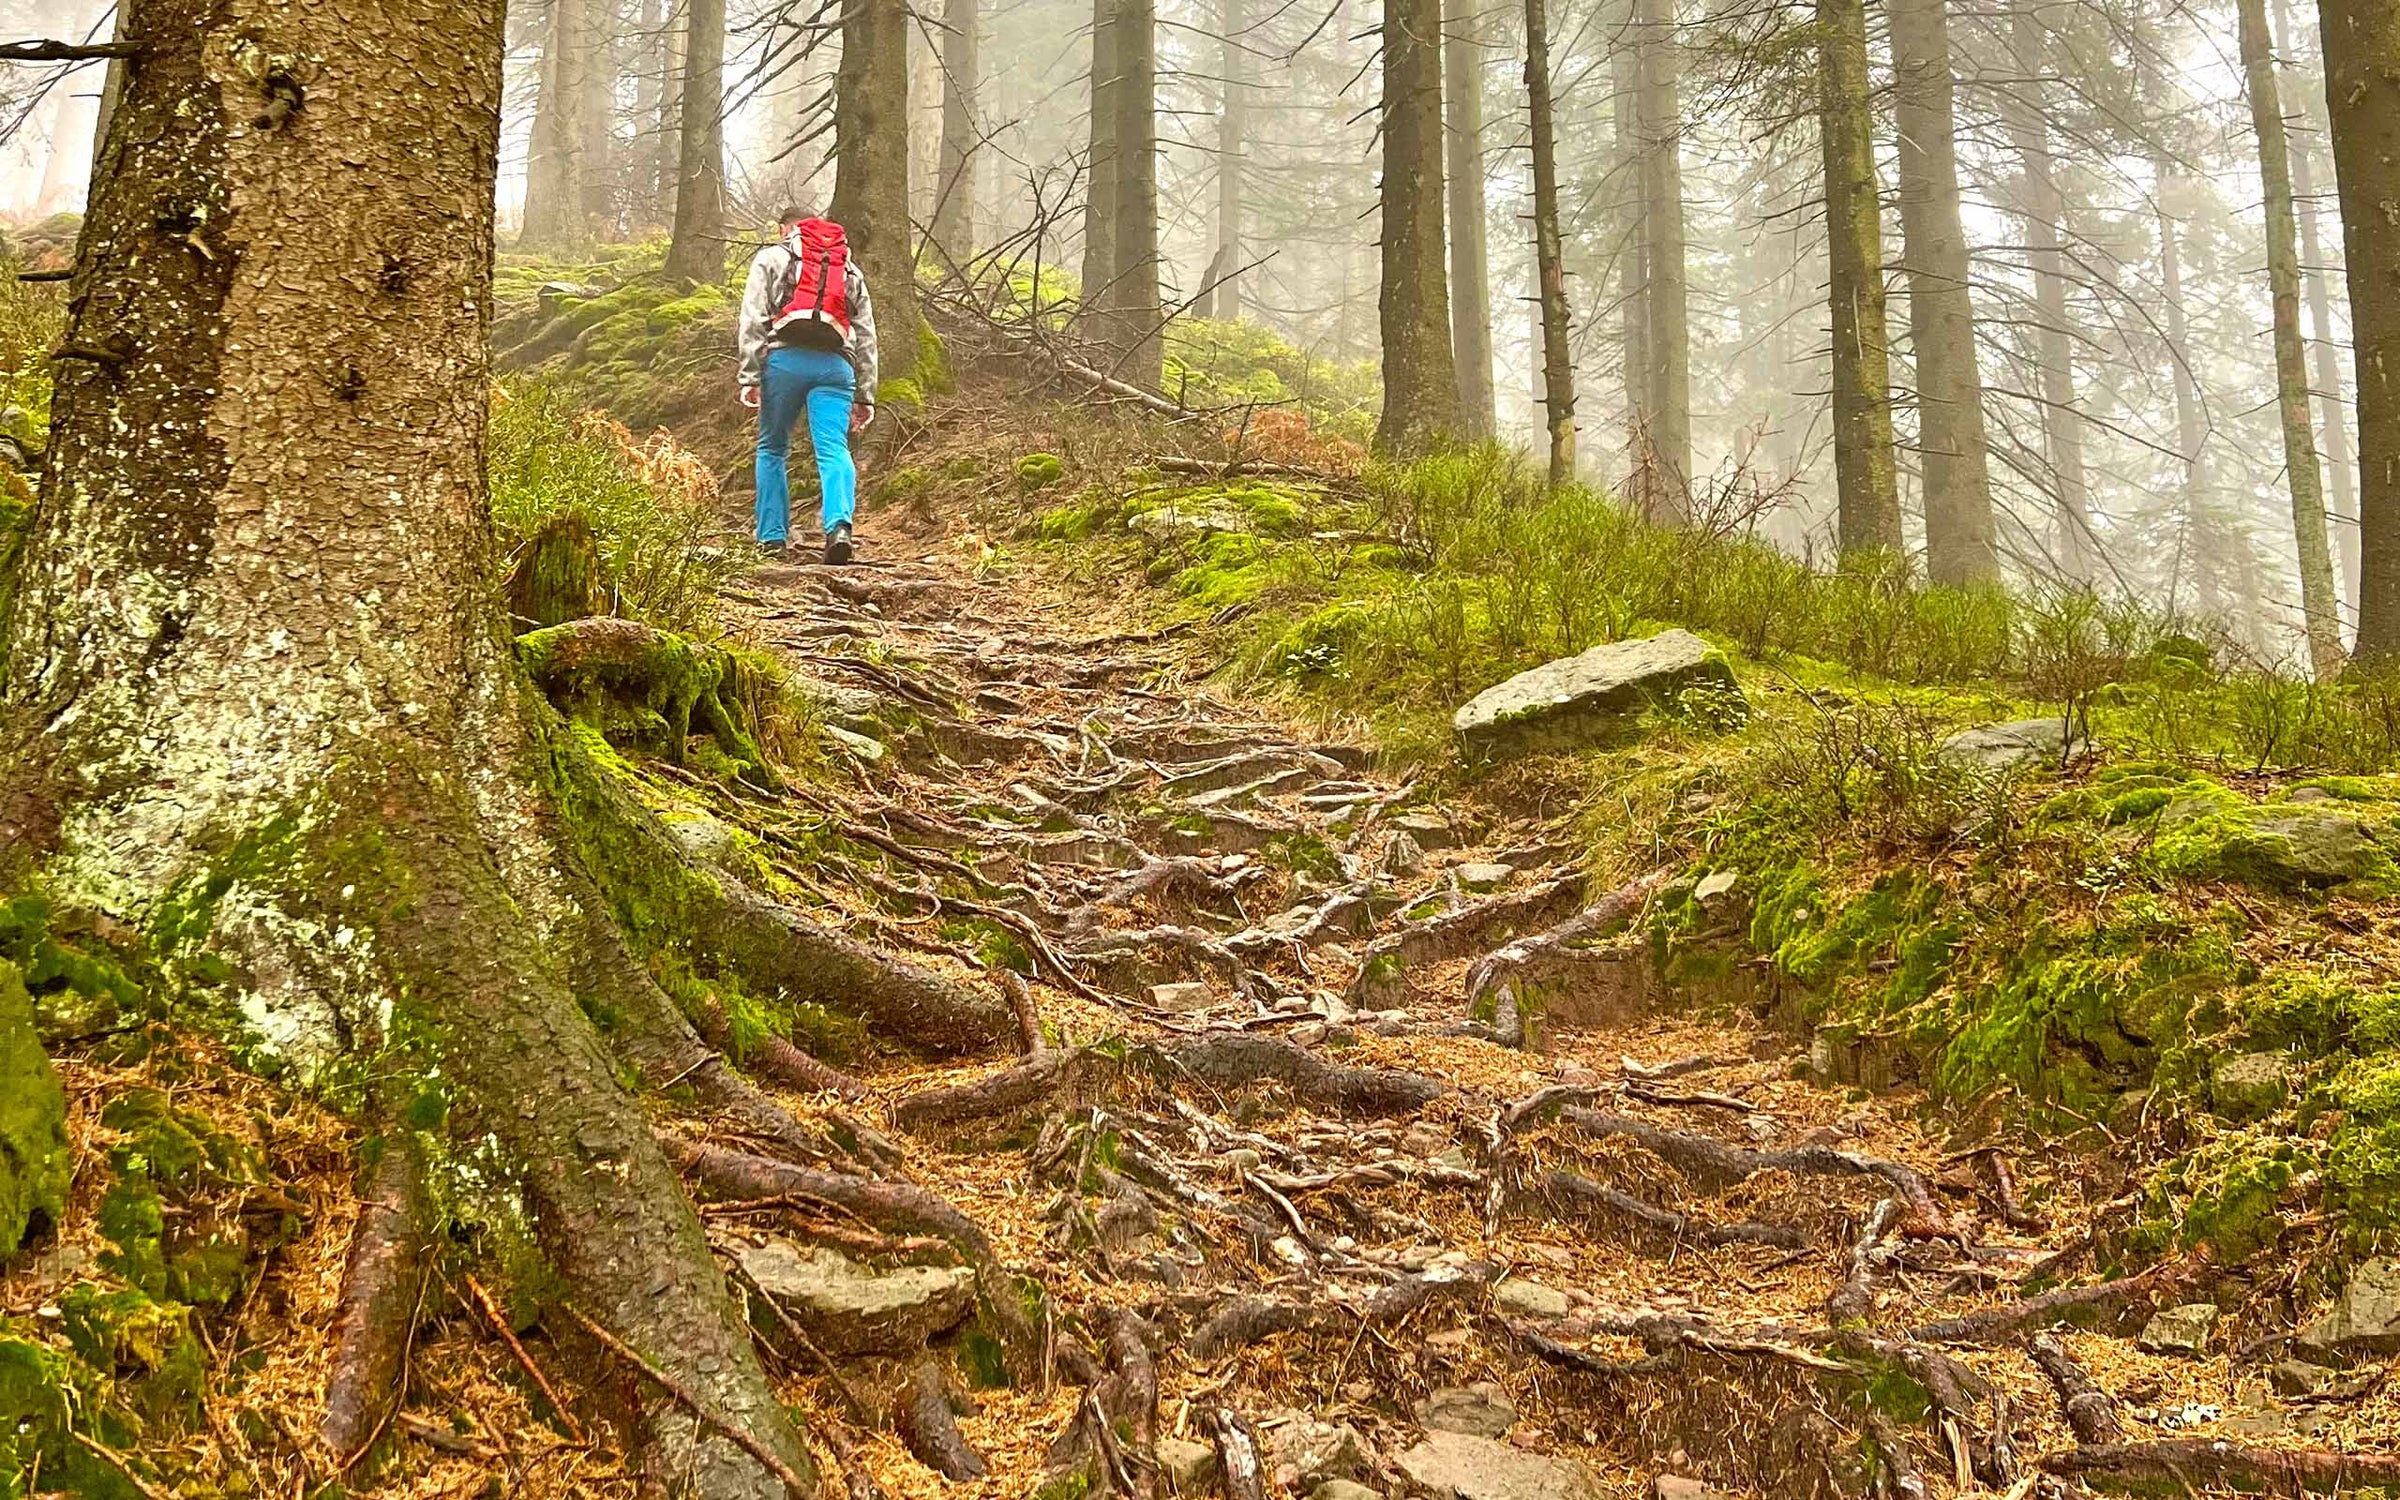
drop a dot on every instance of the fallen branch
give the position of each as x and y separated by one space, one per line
2120 1302
49 51
1574 1193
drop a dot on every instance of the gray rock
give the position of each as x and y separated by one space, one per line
1715 887
1591 698
1175 522
1181 997
1455 1466
1478 1410
865 748
2298 1380
1430 829
551 294
1677 1487
1529 1299
850 1309
2249 1085
1405 857
1484 875
2301 846
1191 1468
2019 743
2364 1320
1311 1451
1456 1159
1424 1138
2179 1330
1344 1489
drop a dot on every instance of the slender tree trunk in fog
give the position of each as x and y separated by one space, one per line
1626 181
696 249
1666 329
1233 128
1941 310
1470 255
1135 303
553 179
2362 90
2332 411
1100 190
2191 426
962 81
870 172
1549 253
1420 378
597 168
924 121
1866 476
2320 607
2041 205
659 107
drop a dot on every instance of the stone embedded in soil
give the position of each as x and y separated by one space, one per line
2179 1330
1478 1410
1344 1489
2250 1085
1484 875
2364 1320
1304 1450
2279 845
865 748
1591 698
1173 522
852 1309
2298 1380
1424 1138
1405 857
1187 996
1455 1466
1191 1468
2006 747
1677 1487
1529 1299
1715 886
1430 830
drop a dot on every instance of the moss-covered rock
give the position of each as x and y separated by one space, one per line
33 1121
2276 846
173 1216
150 1346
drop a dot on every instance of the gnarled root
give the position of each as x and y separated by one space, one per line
1572 1193
2204 1462
2118 1304
2089 1410
1243 1321
1112 1440
930 1428
1234 1059
1706 1160
380 1286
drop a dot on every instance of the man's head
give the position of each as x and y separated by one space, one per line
791 214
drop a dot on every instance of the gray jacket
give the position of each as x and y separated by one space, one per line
770 282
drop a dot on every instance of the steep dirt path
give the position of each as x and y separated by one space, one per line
1282 1187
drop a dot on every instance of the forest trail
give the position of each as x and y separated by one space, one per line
1394 1248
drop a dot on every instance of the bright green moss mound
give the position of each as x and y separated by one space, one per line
34 1161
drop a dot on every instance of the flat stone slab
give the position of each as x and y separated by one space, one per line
1478 1410
2179 1330
1592 698
1178 521
2365 1319
853 1309
2023 743
1530 1299
1456 1466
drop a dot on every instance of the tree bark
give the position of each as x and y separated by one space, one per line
2317 279
2320 608
255 675
553 174
2042 206
1666 329
1633 276
954 200
1420 378
1100 192
597 158
870 172
1941 312
1233 129
1470 250
2362 90
1135 305
1549 256
696 249
1866 477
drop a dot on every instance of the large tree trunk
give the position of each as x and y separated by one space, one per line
696 249
255 674
1666 330
1627 174
2362 90
1100 190
870 172
2320 608
553 172
1866 478
1134 301
954 200
1470 247
1420 378
1941 312
1224 300
2041 204
1549 256
2317 279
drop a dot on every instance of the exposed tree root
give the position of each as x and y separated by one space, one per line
1038 1081
1573 1193
1245 1320
2191 1462
2089 1410
1112 1442
1235 1059
779 1059
380 1286
930 1428
1456 934
1707 1160
1542 955
2118 1303
643 684
1240 1467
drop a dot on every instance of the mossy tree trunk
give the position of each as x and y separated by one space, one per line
554 204
1866 477
2042 206
2362 89
1100 184
2320 608
962 82
1549 256
870 172
1134 301
1666 333
1470 234
1941 313
257 701
1420 378
1224 299
696 250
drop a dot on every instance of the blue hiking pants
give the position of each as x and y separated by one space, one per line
823 383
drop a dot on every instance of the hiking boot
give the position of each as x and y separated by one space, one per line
771 551
837 544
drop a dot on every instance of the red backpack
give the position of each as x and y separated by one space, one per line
820 297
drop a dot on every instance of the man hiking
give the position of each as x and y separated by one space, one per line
807 338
